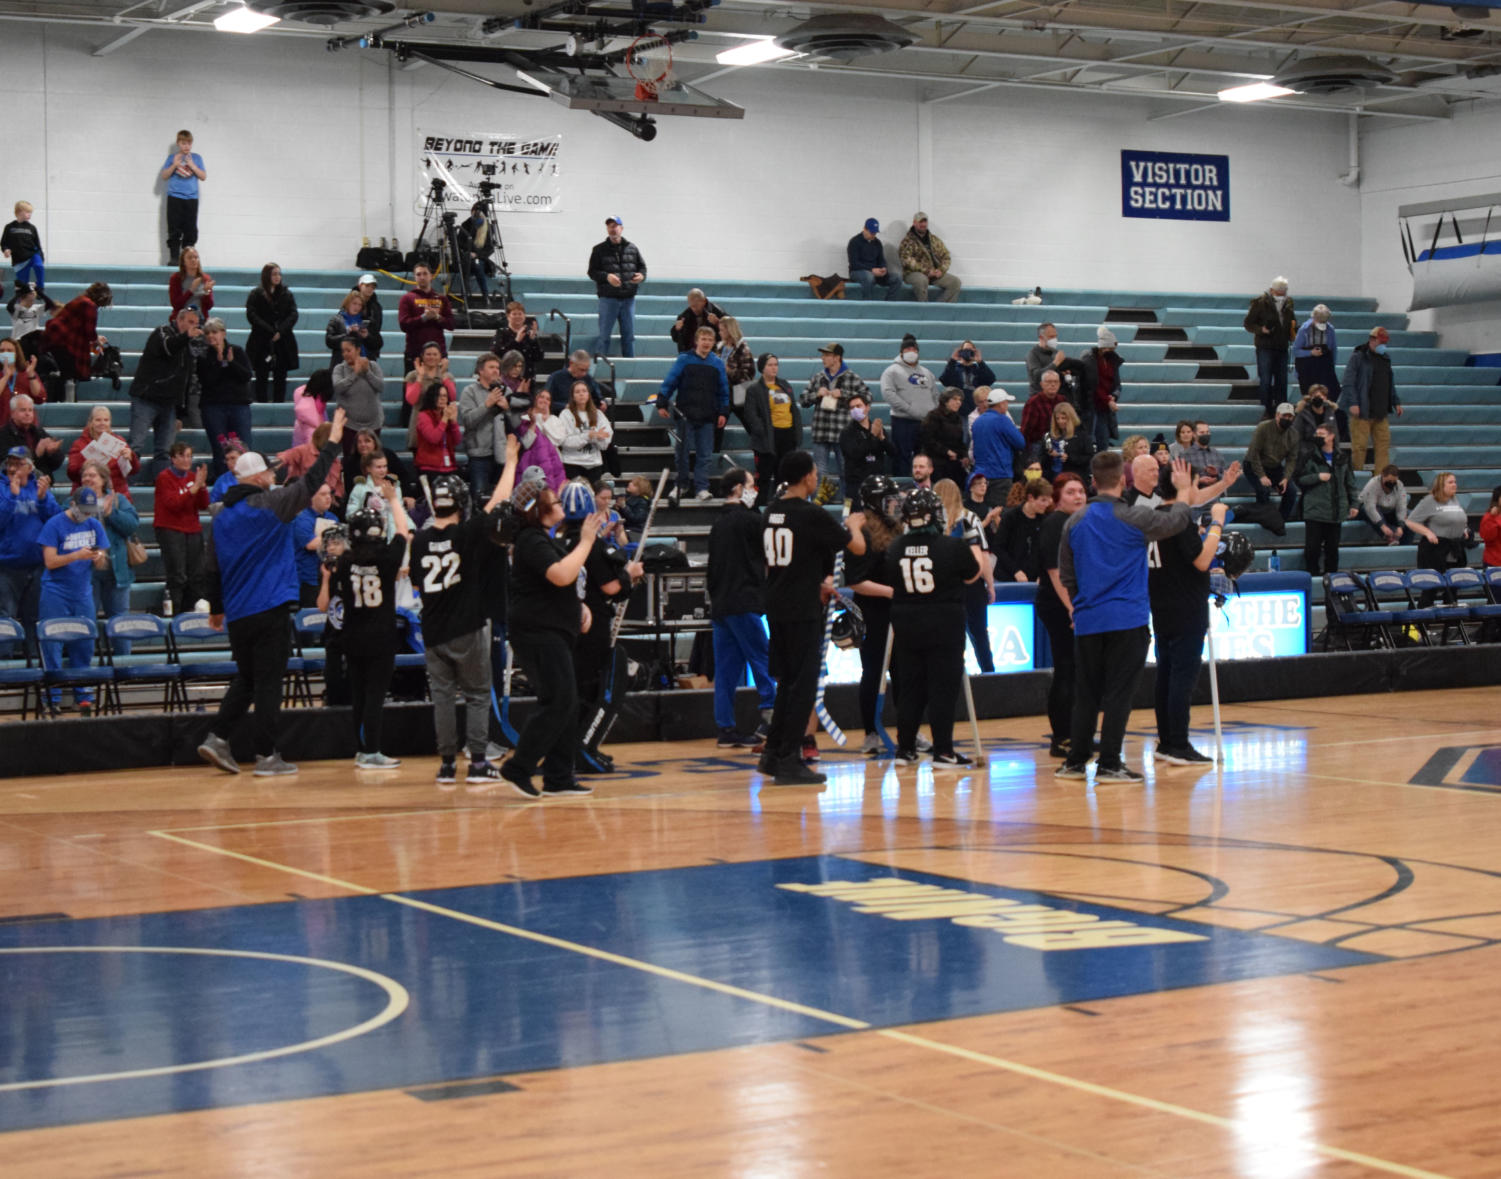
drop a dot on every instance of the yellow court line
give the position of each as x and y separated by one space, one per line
830 1017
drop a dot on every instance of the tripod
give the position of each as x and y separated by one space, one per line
488 243
450 259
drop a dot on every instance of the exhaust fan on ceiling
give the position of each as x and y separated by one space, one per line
323 12
845 36
1333 75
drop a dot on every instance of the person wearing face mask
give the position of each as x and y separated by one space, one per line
1273 325
17 377
1045 354
1313 411
1328 500
864 446
737 601
911 391
1370 399
1383 504
1315 351
1207 462
1101 388
1270 459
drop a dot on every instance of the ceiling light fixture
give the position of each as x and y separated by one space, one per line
757 52
1254 92
243 20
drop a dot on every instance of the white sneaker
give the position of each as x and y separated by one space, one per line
704 494
201 606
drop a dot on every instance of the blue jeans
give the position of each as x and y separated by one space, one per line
481 477
20 592
1178 660
1101 430
830 461
868 283
696 438
740 642
904 435
1271 372
32 270
219 420
80 652
112 599
612 311
161 422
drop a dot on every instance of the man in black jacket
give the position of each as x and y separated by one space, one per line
618 270
1273 324
737 600
700 312
159 387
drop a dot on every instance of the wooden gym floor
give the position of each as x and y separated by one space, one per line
1286 968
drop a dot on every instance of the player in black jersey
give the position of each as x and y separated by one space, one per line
800 540
865 575
365 581
449 562
928 572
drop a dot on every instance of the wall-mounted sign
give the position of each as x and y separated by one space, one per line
1175 186
522 171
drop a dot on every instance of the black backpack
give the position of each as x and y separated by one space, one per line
663 558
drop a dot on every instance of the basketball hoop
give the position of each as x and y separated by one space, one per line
649 61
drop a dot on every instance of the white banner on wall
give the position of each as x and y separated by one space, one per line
524 170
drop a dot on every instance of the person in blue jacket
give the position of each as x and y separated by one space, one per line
26 504
308 542
252 586
997 442
73 544
1316 353
702 388
867 259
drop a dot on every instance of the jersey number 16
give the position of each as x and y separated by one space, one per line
917 574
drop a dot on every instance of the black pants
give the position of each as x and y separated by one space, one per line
591 657
1179 658
1287 500
766 472
976 622
877 613
277 377
261 644
369 681
551 733
1107 666
1061 690
182 565
182 223
1447 554
1320 547
931 645
796 656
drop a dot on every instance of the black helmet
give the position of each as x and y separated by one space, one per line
1236 553
503 523
922 508
848 629
366 524
880 494
449 495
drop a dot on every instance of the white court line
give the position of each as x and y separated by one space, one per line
1256 1130
397 999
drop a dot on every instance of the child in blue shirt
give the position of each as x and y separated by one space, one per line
182 172
73 544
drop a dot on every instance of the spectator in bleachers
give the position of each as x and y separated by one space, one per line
160 386
1383 504
17 378
829 391
1271 459
1207 462
1046 354
369 490
966 370
1315 352
698 380
272 312
867 262
224 374
121 522
1313 411
1329 499
424 315
577 369
436 435
922 472
348 322
538 448
431 369
1101 388
297 461
1037 413
71 336
181 493
942 438
72 544
1183 439
310 402
233 448
586 436
1132 446
23 429
252 582
604 504
99 428
519 335
699 313
28 309
373 315
1442 526
1065 448
997 444
910 390
482 409
189 286
773 426
618 270
739 366
475 244
26 505
925 262
1370 398
182 172
22 245
864 448
1273 325
307 539
357 384
635 506
1490 530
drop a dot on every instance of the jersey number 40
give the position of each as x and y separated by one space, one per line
778 543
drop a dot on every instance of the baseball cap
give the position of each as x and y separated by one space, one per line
615 220
1285 408
873 225
1380 334
249 464
364 278
916 217
836 349
999 397
18 452
86 501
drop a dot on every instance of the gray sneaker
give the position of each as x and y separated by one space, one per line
376 761
216 751
872 743
273 766
923 744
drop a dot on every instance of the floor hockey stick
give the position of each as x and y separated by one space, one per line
819 709
887 743
974 722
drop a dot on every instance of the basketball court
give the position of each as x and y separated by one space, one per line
1284 968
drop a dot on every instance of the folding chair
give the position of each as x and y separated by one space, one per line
412 656
1447 613
153 666
192 638
98 675
19 673
1468 588
1348 613
1386 589
307 629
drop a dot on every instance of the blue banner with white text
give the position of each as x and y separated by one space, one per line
1175 186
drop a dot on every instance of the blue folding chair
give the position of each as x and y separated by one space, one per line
1447 613
307 625
1470 591
198 650
71 630
19 673
1386 589
409 631
153 665
1348 613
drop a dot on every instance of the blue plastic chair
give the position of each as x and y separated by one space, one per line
192 634
19 673
141 667
409 627
308 625
1447 613
68 630
1470 591
1387 590
1348 613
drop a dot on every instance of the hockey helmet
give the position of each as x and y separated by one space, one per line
450 495
366 524
848 629
1236 552
923 509
880 494
577 500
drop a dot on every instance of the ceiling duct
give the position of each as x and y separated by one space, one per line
323 12
845 36
1333 75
